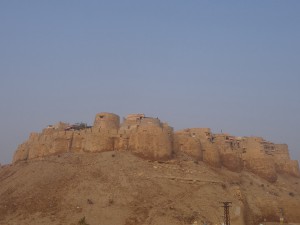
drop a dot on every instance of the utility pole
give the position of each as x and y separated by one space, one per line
281 216
226 206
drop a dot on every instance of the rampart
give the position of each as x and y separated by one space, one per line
149 138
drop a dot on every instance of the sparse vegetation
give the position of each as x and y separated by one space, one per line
110 201
95 189
82 221
291 194
89 201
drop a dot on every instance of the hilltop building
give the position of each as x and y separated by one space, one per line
152 139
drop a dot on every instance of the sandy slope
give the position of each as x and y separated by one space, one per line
119 188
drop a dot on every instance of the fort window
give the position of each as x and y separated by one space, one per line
101 117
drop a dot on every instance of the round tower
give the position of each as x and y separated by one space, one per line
106 120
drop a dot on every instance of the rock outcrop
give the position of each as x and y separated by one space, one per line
150 138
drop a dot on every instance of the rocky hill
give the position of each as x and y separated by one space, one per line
119 188
142 172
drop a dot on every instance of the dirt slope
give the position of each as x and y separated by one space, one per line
119 188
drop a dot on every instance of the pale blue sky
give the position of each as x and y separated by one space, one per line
230 65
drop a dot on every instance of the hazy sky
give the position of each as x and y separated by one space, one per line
230 65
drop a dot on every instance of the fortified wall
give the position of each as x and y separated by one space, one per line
152 139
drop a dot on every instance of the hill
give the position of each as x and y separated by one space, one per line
141 171
117 187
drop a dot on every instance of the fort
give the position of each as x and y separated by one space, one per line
152 139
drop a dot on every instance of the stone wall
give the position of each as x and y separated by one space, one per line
230 151
150 138
257 158
151 143
283 163
198 143
184 142
107 121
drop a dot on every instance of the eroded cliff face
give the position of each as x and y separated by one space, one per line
150 138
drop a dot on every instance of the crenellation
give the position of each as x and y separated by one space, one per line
150 138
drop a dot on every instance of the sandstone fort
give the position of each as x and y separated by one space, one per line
153 139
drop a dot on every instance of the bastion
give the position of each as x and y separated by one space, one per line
149 138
